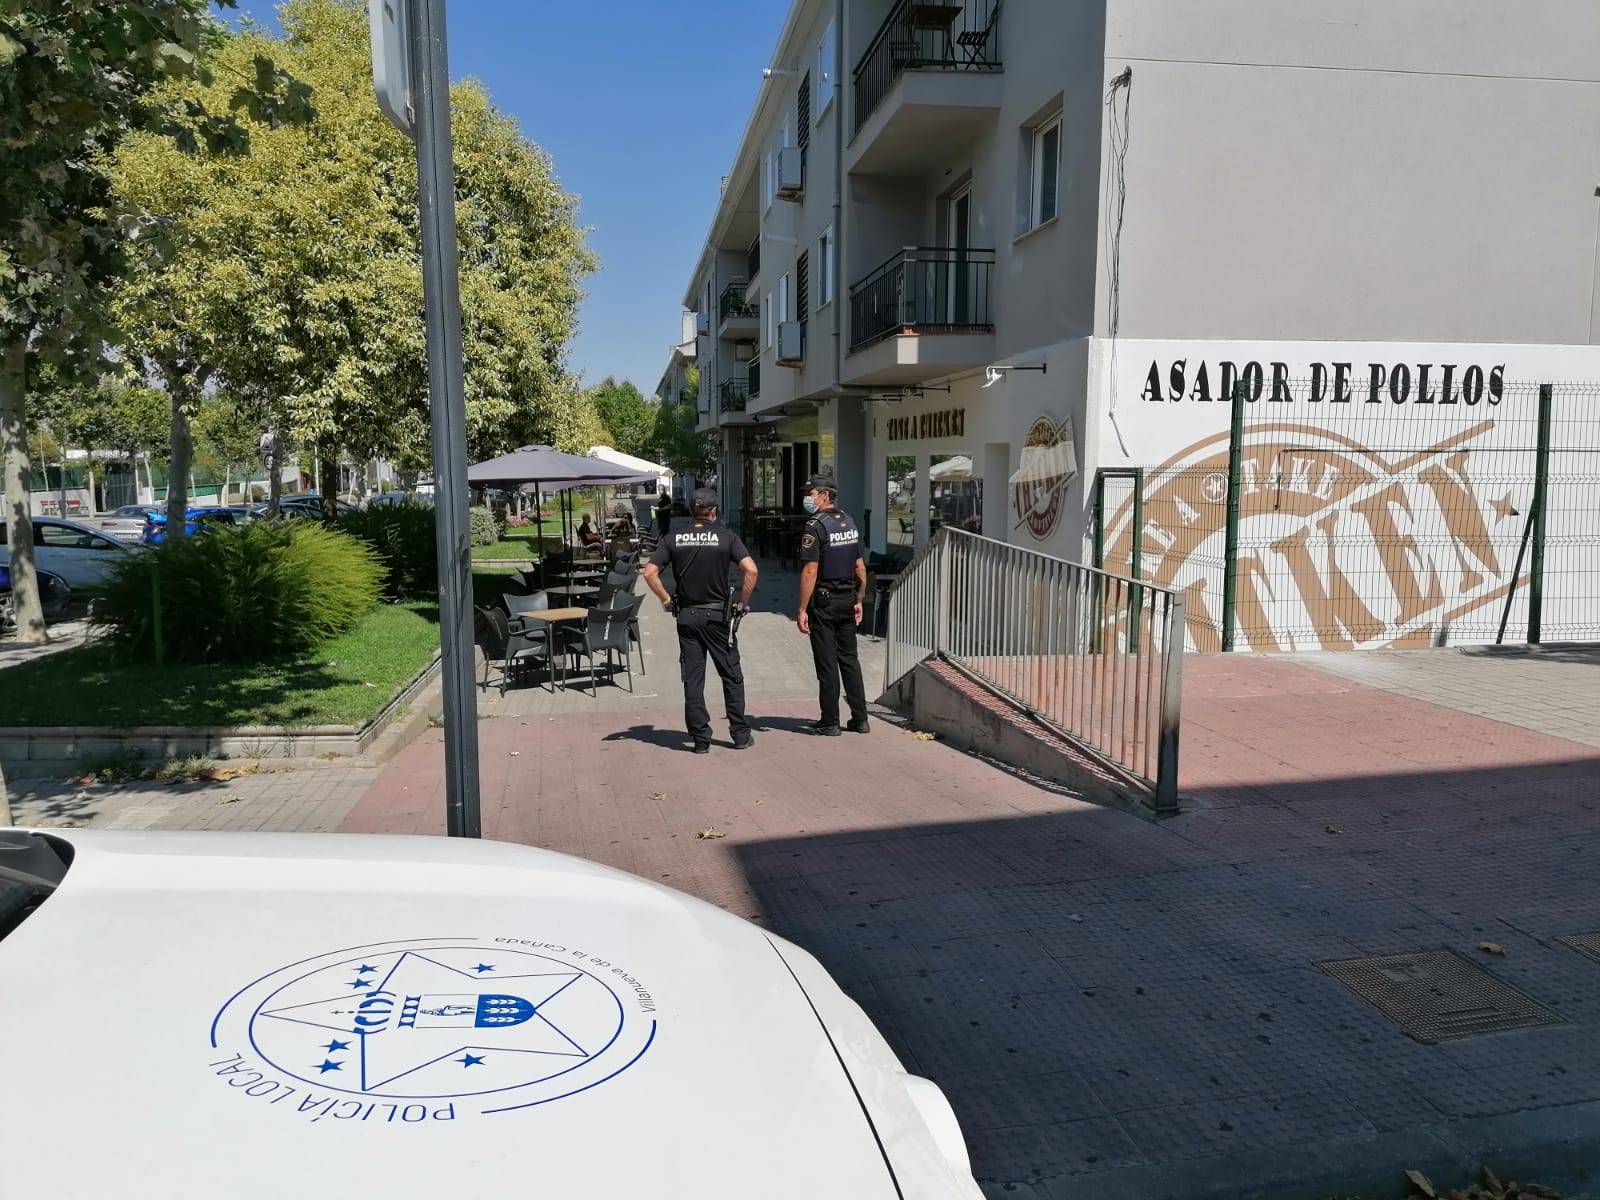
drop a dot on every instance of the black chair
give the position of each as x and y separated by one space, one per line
517 604
512 646
605 629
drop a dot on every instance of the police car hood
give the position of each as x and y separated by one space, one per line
260 1015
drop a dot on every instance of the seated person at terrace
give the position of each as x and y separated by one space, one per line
588 534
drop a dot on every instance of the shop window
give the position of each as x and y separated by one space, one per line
900 528
955 494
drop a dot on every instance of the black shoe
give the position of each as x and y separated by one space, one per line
820 730
745 742
702 747
860 726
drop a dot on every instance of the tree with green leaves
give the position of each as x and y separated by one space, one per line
628 415
676 443
76 77
296 276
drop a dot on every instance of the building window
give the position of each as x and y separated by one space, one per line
1044 172
767 188
900 505
827 52
783 302
825 267
802 288
766 321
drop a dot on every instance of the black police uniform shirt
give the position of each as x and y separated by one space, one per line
832 541
700 557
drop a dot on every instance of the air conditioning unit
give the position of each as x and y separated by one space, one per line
791 173
791 347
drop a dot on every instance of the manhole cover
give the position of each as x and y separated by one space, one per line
1439 995
1586 944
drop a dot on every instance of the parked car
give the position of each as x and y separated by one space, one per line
54 596
303 504
383 499
195 520
126 524
82 556
250 987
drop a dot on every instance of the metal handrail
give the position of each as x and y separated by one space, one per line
732 395
956 35
1094 655
923 289
733 304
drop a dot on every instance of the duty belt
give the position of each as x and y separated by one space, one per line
836 587
716 604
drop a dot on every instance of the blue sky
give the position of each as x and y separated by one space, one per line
641 104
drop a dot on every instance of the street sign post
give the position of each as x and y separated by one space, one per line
391 61
421 108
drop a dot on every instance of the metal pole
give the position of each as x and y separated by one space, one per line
155 613
1136 594
447 398
1516 573
1230 551
1541 486
1166 801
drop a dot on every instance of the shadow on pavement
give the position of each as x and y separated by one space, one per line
650 735
1123 1009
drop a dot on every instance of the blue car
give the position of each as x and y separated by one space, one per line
195 520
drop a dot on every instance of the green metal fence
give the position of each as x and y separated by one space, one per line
1422 511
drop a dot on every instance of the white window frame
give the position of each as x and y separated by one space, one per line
785 296
1036 176
824 270
822 87
768 333
767 188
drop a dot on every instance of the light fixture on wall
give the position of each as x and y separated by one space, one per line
778 72
995 372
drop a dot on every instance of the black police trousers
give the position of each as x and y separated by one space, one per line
702 632
833 648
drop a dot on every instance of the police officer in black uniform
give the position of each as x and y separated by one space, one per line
833 583
700 557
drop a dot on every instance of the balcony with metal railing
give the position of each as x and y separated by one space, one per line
733 395
737 317
928 82
925 313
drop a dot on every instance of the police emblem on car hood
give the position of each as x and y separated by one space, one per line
433 1029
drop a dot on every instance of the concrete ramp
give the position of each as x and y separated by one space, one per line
940 699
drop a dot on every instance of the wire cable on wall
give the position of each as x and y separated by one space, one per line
1118 110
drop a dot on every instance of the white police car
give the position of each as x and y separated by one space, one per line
188 1015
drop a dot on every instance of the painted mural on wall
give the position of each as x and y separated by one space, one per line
1388 513
1039 485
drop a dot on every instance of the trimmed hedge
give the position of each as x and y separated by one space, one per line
402 535
482 528
264 590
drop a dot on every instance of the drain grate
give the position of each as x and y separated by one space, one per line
1586 944
1439 994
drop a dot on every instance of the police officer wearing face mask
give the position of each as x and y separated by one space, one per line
700 557
833 582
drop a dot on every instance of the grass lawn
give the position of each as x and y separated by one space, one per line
517 545
327 687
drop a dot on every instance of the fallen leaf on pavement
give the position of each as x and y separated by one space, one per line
230 798
1421 1182
514 753
658 796
706 835
922 735
1492 948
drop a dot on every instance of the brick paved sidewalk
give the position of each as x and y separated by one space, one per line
1116 1008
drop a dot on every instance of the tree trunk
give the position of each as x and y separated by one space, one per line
274 468
328 480
179 464
19 521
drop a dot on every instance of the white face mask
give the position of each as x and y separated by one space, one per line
809 504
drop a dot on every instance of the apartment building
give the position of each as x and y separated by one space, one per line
971 253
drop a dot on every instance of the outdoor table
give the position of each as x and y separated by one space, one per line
551 617
572 591
575 575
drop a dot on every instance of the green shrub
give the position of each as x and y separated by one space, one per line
263 590
482 527
402 535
